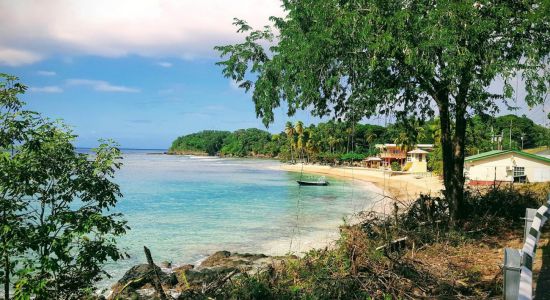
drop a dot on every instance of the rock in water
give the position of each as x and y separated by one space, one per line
216 259
227 259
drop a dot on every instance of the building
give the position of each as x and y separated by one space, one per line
506 166
417 161
393 152
372 162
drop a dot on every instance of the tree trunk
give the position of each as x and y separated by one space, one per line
6 261
6 278
6 275
458 166
156 277
453 149
453 159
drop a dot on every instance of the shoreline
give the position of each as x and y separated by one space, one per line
298 243
404 188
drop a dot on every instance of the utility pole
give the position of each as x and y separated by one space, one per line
492 139
510 134
522 141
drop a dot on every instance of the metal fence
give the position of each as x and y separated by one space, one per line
518 264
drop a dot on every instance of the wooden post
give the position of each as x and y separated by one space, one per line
156 277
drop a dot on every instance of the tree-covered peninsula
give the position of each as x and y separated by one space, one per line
333 141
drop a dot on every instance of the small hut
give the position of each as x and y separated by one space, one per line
373 162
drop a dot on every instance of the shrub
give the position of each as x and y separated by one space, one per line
506 202
395 166
351 156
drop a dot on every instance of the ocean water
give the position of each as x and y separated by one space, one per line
184 208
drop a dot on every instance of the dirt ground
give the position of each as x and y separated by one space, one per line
478 264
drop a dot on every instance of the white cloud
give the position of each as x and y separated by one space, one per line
184 29
16 57
164 64
102 86
46 73
47 89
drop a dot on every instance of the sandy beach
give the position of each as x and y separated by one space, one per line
401 187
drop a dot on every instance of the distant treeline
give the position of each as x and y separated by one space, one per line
343 141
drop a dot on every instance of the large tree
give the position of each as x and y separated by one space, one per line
409 58
56 230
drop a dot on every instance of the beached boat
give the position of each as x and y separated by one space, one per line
320 182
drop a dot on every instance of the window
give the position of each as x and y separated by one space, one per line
519 171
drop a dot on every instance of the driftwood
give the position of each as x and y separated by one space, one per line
218 283
156 278
135 280
394 245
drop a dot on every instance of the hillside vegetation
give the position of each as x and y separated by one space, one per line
333 142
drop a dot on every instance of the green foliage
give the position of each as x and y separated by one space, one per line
351 157
249 142
208 141
506 202
56 227
395 166
375 55
481 129
355 269
357 59
435 161
332 142
320 274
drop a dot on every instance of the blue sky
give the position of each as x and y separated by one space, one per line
140 72
139 102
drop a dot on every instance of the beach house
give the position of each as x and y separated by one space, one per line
390 153
417 161
506 166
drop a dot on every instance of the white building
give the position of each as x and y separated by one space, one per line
506 166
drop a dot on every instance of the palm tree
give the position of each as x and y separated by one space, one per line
404 141
331 142
370 137
349 132
299 129
289 130
310 148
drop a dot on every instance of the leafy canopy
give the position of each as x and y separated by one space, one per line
57 230
357 58
409 58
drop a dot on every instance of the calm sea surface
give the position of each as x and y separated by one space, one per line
184 208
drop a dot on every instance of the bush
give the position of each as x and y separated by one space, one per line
506 202
355 269
395 166
351 156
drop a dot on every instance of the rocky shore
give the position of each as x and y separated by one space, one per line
189 281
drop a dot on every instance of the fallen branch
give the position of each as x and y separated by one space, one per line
156 279
129 283
216 284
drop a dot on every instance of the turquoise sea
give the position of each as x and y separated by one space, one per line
184 208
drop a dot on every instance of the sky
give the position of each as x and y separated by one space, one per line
139 72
